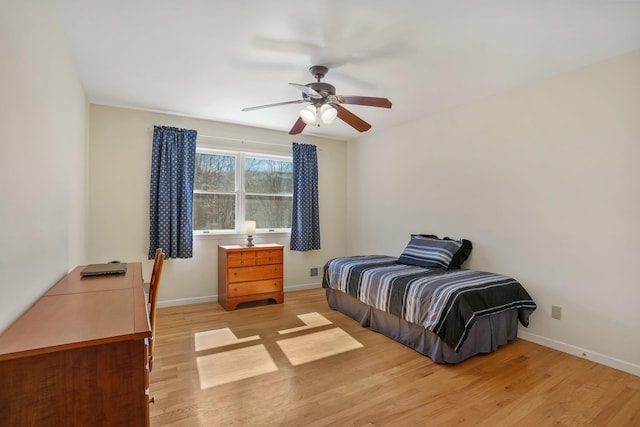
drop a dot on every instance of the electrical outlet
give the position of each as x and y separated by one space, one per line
313 272
556 312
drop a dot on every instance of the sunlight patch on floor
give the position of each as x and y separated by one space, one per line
238 364
218 338
317 345
234 365
311 320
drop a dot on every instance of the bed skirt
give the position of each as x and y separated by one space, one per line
485 336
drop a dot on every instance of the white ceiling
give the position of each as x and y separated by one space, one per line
210 58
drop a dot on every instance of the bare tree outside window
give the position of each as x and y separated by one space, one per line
214 187
268 192
266 198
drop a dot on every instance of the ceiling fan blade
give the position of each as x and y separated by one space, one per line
365 100
351 119
311 93
298 101
298 127
287 46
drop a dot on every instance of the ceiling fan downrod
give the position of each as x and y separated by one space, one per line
318 71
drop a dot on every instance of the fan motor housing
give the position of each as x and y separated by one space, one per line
324 89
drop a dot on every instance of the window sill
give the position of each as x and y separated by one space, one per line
198 235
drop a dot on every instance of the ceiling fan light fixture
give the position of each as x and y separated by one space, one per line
328 114
309 115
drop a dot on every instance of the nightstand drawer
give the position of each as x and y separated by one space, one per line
248 274
257 287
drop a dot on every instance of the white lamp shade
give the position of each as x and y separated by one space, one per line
328 114
308 115
250 227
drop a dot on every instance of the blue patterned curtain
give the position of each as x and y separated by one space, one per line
171 192
305 224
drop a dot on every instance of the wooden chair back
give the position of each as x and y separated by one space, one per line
157 265
156 275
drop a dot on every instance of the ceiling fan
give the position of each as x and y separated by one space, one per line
325 106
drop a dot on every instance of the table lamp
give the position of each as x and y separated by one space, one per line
250 229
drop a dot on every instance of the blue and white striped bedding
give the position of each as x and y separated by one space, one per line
444 301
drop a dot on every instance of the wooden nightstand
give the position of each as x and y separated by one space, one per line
249 274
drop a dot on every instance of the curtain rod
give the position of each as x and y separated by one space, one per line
242 141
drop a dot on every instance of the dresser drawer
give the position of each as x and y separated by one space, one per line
248 274
257 287
241 258
269 257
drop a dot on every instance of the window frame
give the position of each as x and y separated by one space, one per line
240 192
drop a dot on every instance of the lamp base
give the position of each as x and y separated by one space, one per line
250 241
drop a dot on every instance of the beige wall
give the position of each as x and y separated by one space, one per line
43 179
120 158
544 180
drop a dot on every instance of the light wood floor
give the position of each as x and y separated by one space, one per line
380 383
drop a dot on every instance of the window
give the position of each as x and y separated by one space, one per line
214 192
230 187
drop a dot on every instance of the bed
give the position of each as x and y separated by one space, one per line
427 301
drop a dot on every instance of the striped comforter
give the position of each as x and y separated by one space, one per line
446 302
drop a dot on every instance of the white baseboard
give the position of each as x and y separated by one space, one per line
197 300
186 301
602 359
303 287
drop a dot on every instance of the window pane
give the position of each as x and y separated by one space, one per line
214 211
269 211
215 172
268 176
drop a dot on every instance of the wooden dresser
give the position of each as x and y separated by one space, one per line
249 274
78 355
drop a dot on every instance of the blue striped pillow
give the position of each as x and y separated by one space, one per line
430 253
